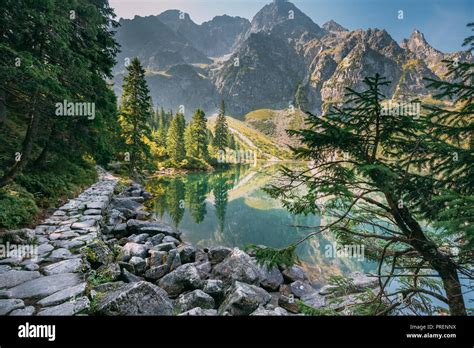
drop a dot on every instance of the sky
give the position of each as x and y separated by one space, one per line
443 22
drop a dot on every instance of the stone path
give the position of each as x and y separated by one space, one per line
53 282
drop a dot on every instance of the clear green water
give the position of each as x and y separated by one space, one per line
230 208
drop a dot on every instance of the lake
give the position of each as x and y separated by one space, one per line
230 208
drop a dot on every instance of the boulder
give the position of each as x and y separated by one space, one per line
301 289
187 253
23 312
164 247
294 273
141 238
110 271
244 299
129 277
199 312
141 298
215 288
237 266
98 253
218 254
270 279
138 263
157 238
196 298
156 258
173 260
157 272
278 311
185 277
151 227
133 249
63 295
169 239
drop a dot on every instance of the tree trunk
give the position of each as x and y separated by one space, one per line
3 107
440 262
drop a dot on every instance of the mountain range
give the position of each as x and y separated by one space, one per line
261 64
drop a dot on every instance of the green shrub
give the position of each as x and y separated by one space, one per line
17 207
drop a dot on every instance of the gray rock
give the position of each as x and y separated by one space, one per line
125 203
157 272
315 300
93 212
129 277
187 253
196 298
140 298
44 248
237 266
173 260
141 238
59 254
100 205
12 278
363 282
156 258
108 287
23 312
66 266
4 268
185 277
138 264
261 311
138 226
83 225
164 247
204 269
215 288
301 289
110 271
4 294
244 299
32 266
270 279
63 295
157 238
218 254
169 239
199 312
120 229
6 306
67 309
133 249
98 253
294 273
327 289
45 286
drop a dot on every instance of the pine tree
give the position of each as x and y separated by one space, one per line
301 97
162 127
221 130
175 139
196 139
382 174
135 114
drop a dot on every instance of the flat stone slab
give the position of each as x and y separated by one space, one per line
63 295
13 278
66 266
83 225
68 308
27 311
45 248
59 254
45 286
6 306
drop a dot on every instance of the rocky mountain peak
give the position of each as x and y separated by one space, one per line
333 26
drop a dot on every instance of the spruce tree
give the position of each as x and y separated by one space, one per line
221 130
175 139
382 176
135 114
196 139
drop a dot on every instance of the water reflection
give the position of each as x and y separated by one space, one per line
230 208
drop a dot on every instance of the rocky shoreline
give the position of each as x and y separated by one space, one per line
103 254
